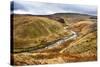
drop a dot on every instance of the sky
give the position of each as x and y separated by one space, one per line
42 8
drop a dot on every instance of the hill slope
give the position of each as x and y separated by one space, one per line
30 31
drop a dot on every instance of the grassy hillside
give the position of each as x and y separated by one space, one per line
87 43
68 19
86 40
30 31
73 17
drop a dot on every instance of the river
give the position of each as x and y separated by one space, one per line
49 45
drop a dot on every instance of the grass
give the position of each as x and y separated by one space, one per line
30 31
88 42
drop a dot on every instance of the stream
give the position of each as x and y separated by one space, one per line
49 45
63 40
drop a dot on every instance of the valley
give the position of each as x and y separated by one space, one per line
55 38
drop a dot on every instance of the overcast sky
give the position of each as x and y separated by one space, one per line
41 8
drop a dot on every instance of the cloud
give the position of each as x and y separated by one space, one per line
39 8
21 12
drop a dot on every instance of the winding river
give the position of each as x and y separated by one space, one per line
73 35
49 45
